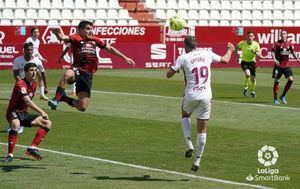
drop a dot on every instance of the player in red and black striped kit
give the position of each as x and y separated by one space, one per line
17 114
83 45
280 53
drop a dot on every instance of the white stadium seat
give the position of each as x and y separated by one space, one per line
183 14
89 14
288 23
203 23
226 5
31 14
236 5
267 23
80 4
57 4
150 4
236 15
8 14
122 22
172 4
91 4
17 23
278 14
10 4
124 14
267 14
215 4
22 4
46 4
214 23
160 14
297 23
247 5
133 22
267 5
194 4
33 4
64 22
55 14
20 14
215 15
297 14
183 4
43 14
203 15
112 14
101 14
224 23
278 5
161 4
111 22
193 15
66 14
114 4
78 14
99 23
256 23
235 23
257 5
53 23
192 23
41 23
75 22
225 15
171 12
257 15
246 23
68 4
103 4
5 22
246 15
28 22
288 15
204 5
277 23
297 5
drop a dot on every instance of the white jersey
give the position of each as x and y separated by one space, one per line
197 70
20 62
36 45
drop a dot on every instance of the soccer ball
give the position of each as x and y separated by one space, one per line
177 23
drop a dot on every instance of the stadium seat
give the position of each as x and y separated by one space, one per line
267 14
257 15
112 14
46 4
114 4
17 22
43 14
10 4
278 14
267 5
101 14
66 14
247 5
257 5
8 14
64 23
172 4
203 23
5 22
78 14
288 23
29 22
75 22
235 23
246 23
183 4
171 12
277 23
33 4
21 4
91 4
53 23
103 4
297 23
225 15
183 14
278 5
99 23
204 5
246 15
161 4
288 15
41 23
236 15
192 23
122 22
215 5
193 15
236 5
226 5
267 23
297 5
193 4
89 14
203 15
111 22
57 4
79 4
214 15
20 14
133 22
150 4
160 14
68 4
123 14
31 14
256 23
213 23
297 14
55 14
224 23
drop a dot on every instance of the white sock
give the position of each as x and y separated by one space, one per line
74 88
42 88
201 140
186 127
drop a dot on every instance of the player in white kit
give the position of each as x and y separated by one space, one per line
196 65
35 32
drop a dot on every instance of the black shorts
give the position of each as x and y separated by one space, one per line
84 81
250 66
25 118
277 72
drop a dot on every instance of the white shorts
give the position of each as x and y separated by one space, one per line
40 66
201 108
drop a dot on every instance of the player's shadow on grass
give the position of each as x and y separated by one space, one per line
137 178
5 167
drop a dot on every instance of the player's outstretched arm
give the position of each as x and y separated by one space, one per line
295 56
33 106
63 54
60 36
115 51
230 48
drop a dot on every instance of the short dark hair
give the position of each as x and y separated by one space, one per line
249 32
29 65
32 29
26 45
190 42
83 23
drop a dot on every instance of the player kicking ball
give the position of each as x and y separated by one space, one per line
196 66
83 45
17 114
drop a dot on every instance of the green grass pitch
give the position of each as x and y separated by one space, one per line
134 118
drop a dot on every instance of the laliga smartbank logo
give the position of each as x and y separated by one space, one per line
267 156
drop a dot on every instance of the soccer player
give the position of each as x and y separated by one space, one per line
67 48
35 32
250 49
17 114
84 66
197 98
280 54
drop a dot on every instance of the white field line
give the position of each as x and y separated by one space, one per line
147 168
179 98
